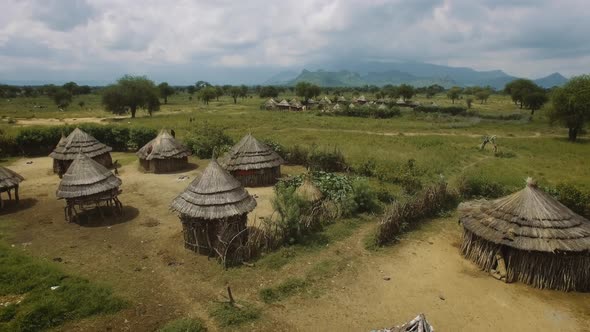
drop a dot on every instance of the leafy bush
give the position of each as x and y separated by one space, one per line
572 197
367 168
276 147
407 175
385 196
401 215
205 139
296 155
368 111
291 210
184 325
327 160
227 315
285 289
479 186
140 136
8 145
365 199
452 110
38 140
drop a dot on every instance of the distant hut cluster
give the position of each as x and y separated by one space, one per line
9 182
213 211
88 185
163 154
528 237
253 163
79 142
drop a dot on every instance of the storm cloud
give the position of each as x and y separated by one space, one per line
246 41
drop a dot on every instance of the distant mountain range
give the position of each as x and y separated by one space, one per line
413 73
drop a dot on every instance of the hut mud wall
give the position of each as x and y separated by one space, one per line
213 237
164 165
61 166
258 177
559 271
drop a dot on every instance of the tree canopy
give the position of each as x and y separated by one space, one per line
131 93
62 98
307 90
165 91
454 93
235 92
571 105
406 91
207 94
269 92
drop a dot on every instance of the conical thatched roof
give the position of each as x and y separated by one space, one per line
9 178
164 146
325 101
86 177
249 153
270 103
284 103
295 103
351 105
337 107
530 220
311 101
308 191
78 142
214 195
341 99
361 99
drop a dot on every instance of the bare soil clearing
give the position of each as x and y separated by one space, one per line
142 257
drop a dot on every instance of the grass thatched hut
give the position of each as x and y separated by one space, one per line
88 185
214 210
253 163
79 142
341 100
361 100
284 105
9 180
270 104
528 237
295 104
163 154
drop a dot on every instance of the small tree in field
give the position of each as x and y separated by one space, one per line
62 98
571 105
406 91
235 92
131 93
165 91
535 100
483 95
207 94
454 93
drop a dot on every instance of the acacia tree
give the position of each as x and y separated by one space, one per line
131 93
62 98
535 100
235 92
207 94
165 91
483 94
454 93
307 91
571 105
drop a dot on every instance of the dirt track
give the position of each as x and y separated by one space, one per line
142 257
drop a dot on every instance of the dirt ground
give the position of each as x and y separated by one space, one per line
142 257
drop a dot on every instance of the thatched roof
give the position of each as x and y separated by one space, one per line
325 101
214 195
530 220
295 103
249 153
361 99
382 107
336 107
270 103
341 99
9 178
284 103
351 105
400 101
86 177
311 101
164 146
308 191
78 142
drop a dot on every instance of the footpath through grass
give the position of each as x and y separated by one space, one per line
35 295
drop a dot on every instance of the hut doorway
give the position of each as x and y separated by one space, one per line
498 269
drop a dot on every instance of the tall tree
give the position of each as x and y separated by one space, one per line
406 91
207 94
519 88
269 92
454 93
307 91
62 98
131 93
72 87
165 91
235 92
535 100
243 91
482 95
571 105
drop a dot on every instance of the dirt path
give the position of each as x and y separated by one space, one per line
425 133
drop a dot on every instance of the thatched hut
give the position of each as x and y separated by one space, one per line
528 237
361 100
79 141
9 180
163 154
88 184
284 105
253 163
341 100
214 210
270 104
295 104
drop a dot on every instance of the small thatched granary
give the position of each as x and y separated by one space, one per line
214 210
270 104
9 180
528 237
284 105
79 141
253 163
163 154
309 191
88 185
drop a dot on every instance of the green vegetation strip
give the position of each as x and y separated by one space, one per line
40 296
227 315
184 325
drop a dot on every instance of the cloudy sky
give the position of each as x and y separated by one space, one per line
182 41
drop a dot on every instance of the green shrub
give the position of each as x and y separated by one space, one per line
140 136
282 291
365 199
39 140
7 313
296 155
227 315
368 111
384 196
327 160
184 325
452 110
206 139
367 168
479 186
572 197
276 147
